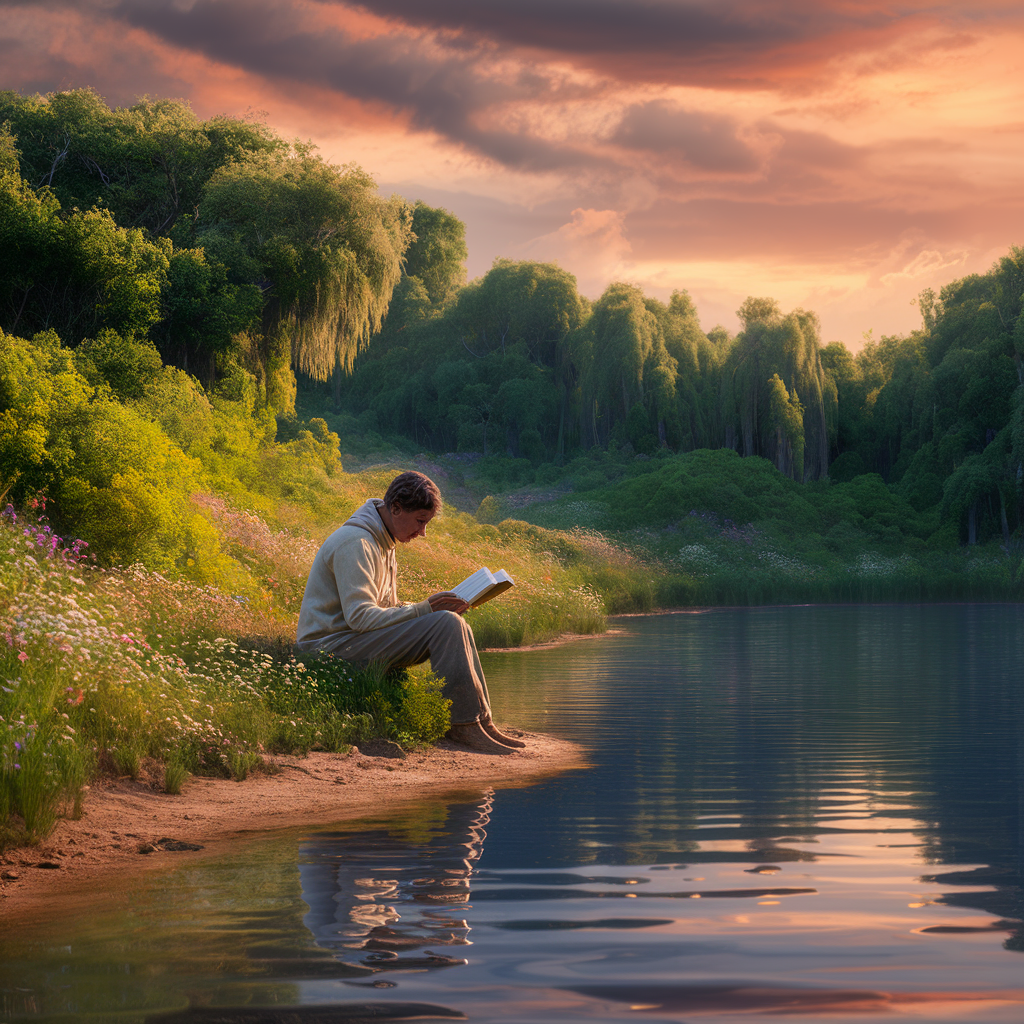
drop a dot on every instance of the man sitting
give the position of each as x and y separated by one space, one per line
350 608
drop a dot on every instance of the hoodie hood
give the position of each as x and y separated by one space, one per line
366 517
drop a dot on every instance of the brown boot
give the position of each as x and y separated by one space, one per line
474 736
496 734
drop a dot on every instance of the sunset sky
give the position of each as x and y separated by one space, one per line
839 156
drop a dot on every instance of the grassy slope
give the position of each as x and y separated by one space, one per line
108 669
726 530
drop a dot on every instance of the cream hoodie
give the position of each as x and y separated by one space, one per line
353 582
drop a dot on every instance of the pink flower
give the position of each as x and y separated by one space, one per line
22 656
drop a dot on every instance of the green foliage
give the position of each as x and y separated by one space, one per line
330 248
114 476
148 163
74 272
125 364
489 510
8 151
202 312
437 255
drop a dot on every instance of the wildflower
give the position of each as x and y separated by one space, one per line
22 656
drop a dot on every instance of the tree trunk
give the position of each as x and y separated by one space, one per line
560 446
748 438
336 385
1003 522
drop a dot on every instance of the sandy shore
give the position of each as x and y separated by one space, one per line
131 826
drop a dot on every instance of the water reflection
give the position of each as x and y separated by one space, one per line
768 723
354 909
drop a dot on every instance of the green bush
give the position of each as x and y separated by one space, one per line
406 707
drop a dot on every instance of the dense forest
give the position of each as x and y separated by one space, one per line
178 296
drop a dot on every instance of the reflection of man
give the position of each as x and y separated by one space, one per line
351 608
361 886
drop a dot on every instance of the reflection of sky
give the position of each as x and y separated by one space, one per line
841 924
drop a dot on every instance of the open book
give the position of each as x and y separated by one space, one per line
482 586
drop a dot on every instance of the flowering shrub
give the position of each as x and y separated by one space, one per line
41 538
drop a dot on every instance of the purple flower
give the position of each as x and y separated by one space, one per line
17 746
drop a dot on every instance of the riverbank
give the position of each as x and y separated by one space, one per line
559 641
128 827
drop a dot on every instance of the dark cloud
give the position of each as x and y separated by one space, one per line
438 89
35 65
706 141
728 41
635 26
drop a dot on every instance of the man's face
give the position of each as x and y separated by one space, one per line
407 526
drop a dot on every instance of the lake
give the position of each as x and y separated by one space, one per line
796 812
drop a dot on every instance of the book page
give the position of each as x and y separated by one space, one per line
473 586
502 582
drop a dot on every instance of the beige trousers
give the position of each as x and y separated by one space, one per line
444 638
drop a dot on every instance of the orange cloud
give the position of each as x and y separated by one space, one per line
854 153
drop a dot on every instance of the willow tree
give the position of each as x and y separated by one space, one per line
786 419
324 247
788 347
623 333
696 411
519 302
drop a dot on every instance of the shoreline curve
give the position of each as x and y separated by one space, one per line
124 820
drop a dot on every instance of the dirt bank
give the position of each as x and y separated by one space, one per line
131 826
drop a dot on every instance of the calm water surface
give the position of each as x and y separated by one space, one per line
803 813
